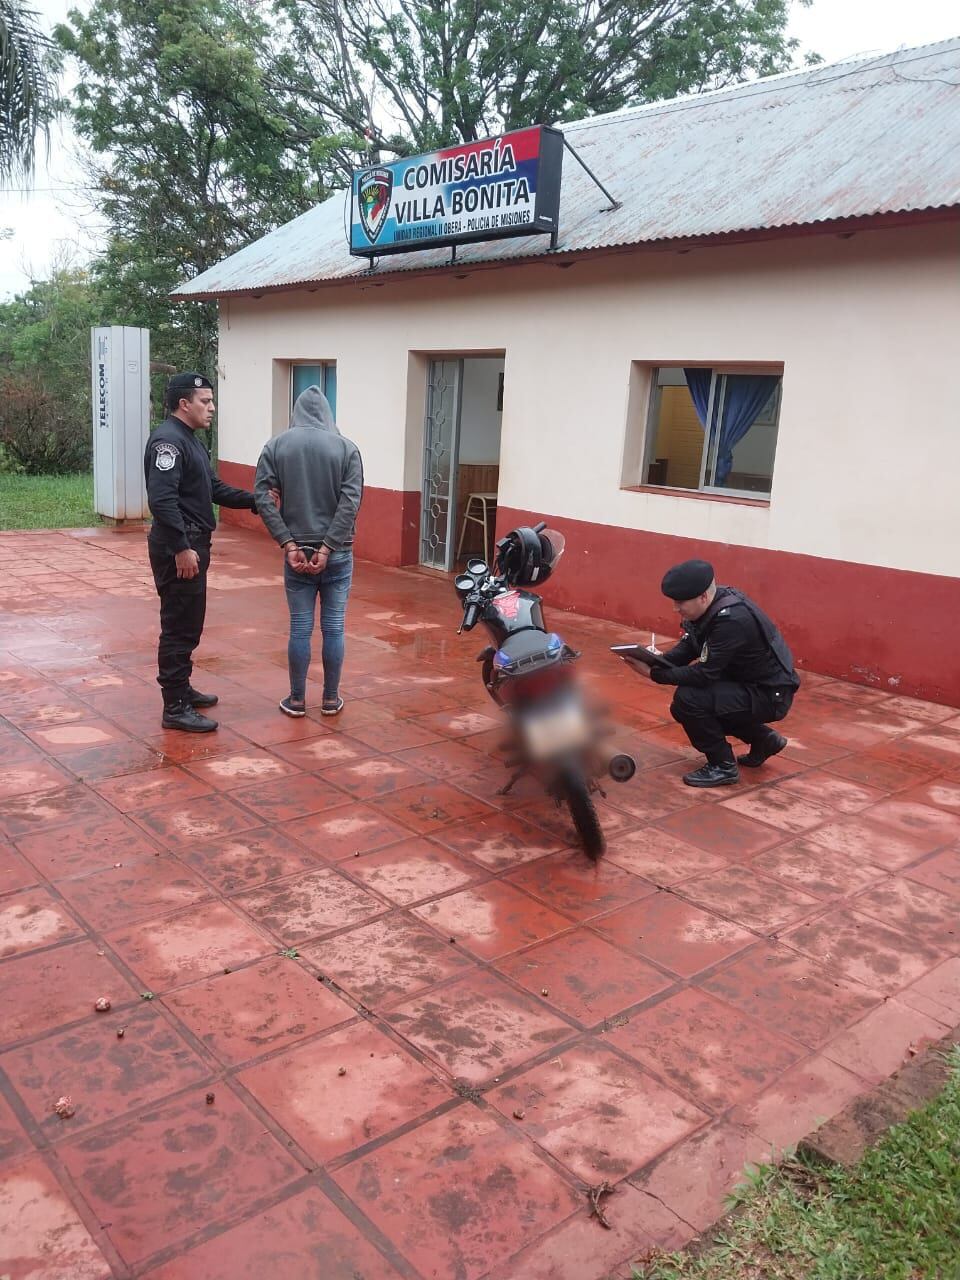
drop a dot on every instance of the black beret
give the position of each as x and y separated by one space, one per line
188 382
688 580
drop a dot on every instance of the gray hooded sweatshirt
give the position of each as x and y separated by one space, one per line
319 474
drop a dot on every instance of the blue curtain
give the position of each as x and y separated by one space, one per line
698 384
744 397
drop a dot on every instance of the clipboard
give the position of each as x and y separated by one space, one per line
641 654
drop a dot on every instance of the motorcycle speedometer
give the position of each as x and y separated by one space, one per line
477 568
464 583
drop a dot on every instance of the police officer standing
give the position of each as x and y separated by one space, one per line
733 671
181 489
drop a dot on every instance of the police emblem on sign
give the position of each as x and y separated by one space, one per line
166 457
374 189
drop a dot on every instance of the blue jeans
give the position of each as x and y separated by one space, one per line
333 588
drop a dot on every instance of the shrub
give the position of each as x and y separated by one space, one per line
39 433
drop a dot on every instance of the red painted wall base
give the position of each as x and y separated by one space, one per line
874 626
388 528
880 627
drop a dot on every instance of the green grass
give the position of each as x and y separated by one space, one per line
896 1216
46 502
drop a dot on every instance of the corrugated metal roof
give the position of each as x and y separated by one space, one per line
852 140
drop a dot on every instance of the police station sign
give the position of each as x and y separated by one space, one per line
506 186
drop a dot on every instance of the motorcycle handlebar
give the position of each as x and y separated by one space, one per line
470 616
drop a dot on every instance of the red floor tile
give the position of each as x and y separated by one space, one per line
15 871
841 794
158 1178
205 818
303 1238
942 792
652 795
324 752
33 918
599 1115
792 994
584 977
922 820
61 739
779 808
195 944
461 724
875 772
718 831
431 805
674 934
413 870
386 960
395 735
478 1027
823 872
491 919
349 830
741 895
941 872
309 906
662 859
86 846
45 1230
559 823
581 889
32 778
289 798
865 950
884 1040
240 769
136 791
913 908
13 1139
695 1177
937 993
132 890
249 858
499 841
800 1101
705 1048
861 840
459 1194
252 1011
372 778
25 815
445 759
105 1076
329 1114
184 747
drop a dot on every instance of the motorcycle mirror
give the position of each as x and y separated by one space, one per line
464 583
477 568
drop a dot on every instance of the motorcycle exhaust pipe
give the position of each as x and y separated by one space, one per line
620 766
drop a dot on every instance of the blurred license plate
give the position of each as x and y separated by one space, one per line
550 733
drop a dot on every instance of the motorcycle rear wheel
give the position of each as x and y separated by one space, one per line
574 790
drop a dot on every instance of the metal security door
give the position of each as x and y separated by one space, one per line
441 439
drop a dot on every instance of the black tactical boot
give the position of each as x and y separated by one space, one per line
713 775
198 699
761 751
181 715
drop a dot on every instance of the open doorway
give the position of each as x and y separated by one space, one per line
461 459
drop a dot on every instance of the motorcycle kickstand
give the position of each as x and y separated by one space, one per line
508 786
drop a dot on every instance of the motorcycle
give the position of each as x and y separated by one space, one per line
528 672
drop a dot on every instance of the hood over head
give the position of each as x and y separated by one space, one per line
312 409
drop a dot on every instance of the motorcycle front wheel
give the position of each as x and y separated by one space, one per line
573 789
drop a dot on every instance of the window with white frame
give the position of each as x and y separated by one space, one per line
712 429
322 375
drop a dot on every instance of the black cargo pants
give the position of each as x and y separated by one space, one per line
183 607
708 714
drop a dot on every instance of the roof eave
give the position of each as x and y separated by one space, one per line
566 257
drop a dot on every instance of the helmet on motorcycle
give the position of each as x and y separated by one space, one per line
528 556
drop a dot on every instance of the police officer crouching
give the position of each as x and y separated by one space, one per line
733 671
181 490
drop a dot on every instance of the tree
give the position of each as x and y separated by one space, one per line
26 88
193 159
410 75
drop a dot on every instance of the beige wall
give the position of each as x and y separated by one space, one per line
866 329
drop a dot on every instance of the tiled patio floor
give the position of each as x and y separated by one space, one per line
378 1022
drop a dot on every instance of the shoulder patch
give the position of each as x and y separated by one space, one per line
167 455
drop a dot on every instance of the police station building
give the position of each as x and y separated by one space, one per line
723 326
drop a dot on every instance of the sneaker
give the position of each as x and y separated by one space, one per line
761 751
331 708
290 708
198 699
182 716
713 775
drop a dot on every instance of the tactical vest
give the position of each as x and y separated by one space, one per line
731 598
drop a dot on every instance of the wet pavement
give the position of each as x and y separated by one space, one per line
378 1021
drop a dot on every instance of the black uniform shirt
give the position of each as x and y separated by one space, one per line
728 644
182 485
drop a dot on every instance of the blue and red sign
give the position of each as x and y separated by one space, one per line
506 186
